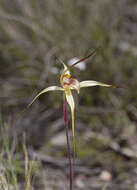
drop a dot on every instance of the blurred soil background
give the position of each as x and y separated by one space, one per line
32 32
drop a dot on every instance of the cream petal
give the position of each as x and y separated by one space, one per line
70 99
89 83
51 88
71 103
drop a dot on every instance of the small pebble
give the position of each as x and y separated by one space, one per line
81 65
80 182
105 176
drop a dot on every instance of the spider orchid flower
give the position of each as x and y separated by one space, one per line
69 83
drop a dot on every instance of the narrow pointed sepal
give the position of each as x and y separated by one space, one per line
71 103
51 88
89 83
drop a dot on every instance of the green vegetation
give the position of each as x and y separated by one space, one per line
14 164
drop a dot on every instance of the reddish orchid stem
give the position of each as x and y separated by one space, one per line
68 145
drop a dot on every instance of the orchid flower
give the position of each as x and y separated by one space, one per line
69 83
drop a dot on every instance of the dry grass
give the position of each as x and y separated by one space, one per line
11 165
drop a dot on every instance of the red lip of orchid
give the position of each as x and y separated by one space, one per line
69 83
